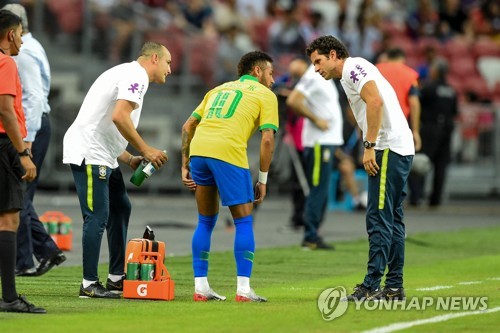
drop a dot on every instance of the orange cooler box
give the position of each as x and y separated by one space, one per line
161 287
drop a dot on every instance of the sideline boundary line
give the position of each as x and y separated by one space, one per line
408 324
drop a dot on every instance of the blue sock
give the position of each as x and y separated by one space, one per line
244 245
200 244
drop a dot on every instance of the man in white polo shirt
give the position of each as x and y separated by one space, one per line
317 100
93 145
387 159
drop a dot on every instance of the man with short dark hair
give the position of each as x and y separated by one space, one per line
15 162
387 159
215 164
34 72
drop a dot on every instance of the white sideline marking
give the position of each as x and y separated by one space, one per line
494 279
470 282
434 288
408 324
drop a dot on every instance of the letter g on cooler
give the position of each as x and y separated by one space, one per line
330 304
142 290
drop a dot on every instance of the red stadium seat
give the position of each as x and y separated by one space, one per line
457 48
485 47
463 67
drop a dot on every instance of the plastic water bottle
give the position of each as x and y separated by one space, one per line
143 171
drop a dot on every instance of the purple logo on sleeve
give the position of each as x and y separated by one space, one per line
134 87
354 77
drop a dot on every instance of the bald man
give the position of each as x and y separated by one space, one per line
93 145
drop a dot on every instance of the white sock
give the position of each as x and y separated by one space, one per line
114 277
201 284
243 284
87 283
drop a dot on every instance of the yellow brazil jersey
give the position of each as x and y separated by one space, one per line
229 114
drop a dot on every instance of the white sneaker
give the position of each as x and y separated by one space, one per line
249 297
208 295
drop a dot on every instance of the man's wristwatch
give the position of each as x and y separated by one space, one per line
26 152
368 144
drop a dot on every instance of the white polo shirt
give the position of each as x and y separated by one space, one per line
394 132
322 98
93 136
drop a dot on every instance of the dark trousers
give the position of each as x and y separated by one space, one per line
318 167
105 205
32 238
298 197
384 219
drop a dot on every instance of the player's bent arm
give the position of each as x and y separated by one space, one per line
414 102
188 130
121 119
296 101
266 149
371 96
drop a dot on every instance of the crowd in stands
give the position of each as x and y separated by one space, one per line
207 37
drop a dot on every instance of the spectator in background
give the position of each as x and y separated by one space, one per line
34 72
233 43
404 80
317 101
198 17
15 162
284 32
453 20
439 109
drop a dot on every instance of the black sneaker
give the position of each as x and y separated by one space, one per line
21 304
115 287
318 245
360 294
394 295
48 263
26 272
96 290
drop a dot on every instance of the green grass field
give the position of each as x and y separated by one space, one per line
467 261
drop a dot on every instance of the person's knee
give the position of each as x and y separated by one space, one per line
9 221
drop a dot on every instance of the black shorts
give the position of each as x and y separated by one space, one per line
11 171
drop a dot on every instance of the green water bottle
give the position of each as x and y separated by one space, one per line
143 171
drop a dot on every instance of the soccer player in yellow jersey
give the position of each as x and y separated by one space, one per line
215 163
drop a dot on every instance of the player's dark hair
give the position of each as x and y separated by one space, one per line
8 21
252 59
325 44
395 53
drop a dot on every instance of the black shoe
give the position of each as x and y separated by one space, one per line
26 272
48 263
115 287
360 293
21 304
387 294
96 290
318 245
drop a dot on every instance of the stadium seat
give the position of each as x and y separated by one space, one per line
69 14
202 55
457 48
463 66
486 47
